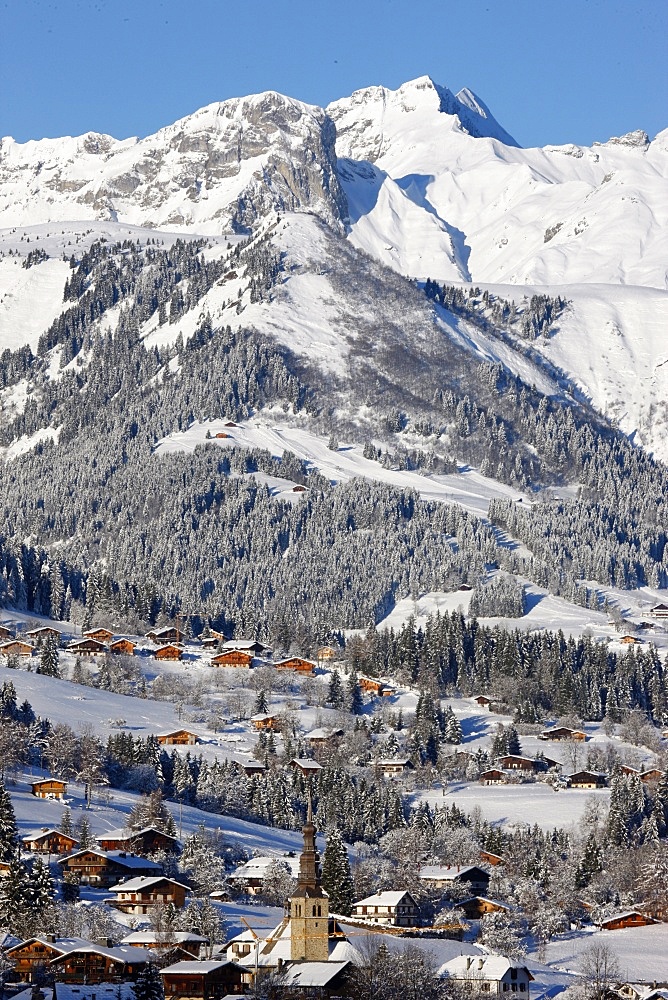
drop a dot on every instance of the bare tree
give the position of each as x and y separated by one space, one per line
600 969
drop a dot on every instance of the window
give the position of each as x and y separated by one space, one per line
513 973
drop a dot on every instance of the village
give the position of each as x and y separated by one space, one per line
441 903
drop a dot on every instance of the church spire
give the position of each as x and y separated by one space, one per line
309 858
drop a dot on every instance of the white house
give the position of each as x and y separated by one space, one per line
395 908
490 973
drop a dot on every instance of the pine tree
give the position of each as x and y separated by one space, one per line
337 878
49 658
453 730
335 694
8 829
148 984
354 694
261 706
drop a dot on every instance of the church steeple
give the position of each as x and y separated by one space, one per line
309 906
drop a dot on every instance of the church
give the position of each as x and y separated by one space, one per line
307 935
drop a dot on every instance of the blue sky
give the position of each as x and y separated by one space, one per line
551 72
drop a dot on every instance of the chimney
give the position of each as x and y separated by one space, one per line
469 961
51 938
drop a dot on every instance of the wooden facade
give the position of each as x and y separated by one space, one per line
477 906
141 842
297 663
264 721
104 868
169 634
126 647
96 964
587 779
16 647
652 776
101 634
49 842
631 918
33 955
88 647
494 776
177 738
49 788
6 633
202 980
559 733
44 632
232 658
141 895
168 652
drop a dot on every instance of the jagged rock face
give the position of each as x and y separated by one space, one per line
227 164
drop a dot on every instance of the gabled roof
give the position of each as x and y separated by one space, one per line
143 882
120 953
389 897
41 834
313 974
492 967
123 833
324 734
196 968
151 937
47 781
306 764
449 873
62 945
120 857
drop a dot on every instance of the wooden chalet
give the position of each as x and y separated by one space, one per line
444 876
322 736
122 646
48 841
252 767
464 587
168 652
202 980
142 894
659 611
49 788
186 941
491 859
477 906
513 762
6 632
317 980
88 647
94 963
390 766
297 663
16 647
142 842
559 733
483 701
630 640
105 868
4 868
394 908
209 642
177 738
168 634
309 768
101 634
232 658
299 488
324 653
222 434
494 776
33 955
374 686
652 776
265 720
587 779
629 918
253 646
626 769
44 632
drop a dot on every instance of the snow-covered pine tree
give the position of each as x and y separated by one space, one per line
148 984
49 659
8 829
337 878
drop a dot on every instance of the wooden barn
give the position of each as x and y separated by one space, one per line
629 918
491 859
559 733
49 788
5 632
143 842
101 634
141 895
232 658
652 776
168 652
297 663
202 980
477 906
483 701
16 647
125 647
48 841
177 738
266 721
309 768
88 647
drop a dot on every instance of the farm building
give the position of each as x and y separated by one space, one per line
443 876
232 658
629 918
253 646
483 701
494 776
391 766
49 788
168 634
44 632
177 738
297 663
651 776
168 652
309 768
477 906
264 720
124 647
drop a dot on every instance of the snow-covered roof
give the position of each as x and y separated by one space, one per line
243 644
306 764
70 991
62 945
480 967
143 882
448 872
40 832
194 968
389 897
323 734
124 833
121 857
119 953
313 974
152 937
257 867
